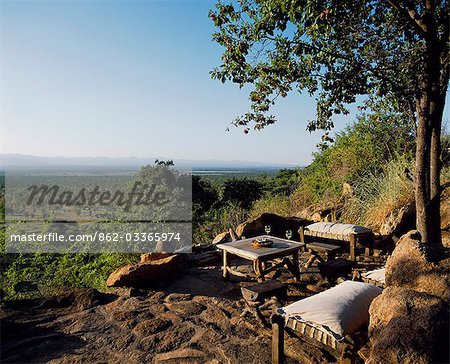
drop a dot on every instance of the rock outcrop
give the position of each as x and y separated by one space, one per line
147 274
222 238
407 326
278 224
399 221
408 267
409 321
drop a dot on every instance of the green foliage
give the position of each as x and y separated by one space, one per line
276 204
218 220
378 135
52 273
335 50
242 192
204 195
284 182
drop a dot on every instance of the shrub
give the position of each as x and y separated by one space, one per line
377 195
219 220
242 192
276 204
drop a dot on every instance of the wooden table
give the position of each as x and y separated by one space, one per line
280 248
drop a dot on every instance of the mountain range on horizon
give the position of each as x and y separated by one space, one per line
22 160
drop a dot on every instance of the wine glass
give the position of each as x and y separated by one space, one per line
289 234
267 229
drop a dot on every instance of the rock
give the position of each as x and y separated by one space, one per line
403 220
150 327
186 308
165 246
399 221
78 300
181 356
446 238
222 238
278 224
148 257
407 326
408 267
148 274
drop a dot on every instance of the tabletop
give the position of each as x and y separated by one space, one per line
245 249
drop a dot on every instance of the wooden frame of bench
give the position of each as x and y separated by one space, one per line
352 239
346 350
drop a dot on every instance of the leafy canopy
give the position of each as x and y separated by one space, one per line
334 50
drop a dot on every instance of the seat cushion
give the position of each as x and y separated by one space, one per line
337 229
340 310
377 275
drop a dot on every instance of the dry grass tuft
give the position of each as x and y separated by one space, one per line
377 195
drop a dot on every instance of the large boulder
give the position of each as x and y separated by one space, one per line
149 257
409 321
222 238
399 221
409 267
408 327
148 274
278 224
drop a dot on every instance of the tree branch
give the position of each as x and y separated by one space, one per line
411 16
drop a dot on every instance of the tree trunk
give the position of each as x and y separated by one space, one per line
430 108
423 144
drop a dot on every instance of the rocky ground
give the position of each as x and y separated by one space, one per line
193 319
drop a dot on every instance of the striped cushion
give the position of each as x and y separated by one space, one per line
338 311
335 229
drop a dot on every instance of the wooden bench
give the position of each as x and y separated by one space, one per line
338 232
315 249
263 295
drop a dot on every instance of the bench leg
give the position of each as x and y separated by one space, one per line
226 274
295 268
348 355
369 249
277 339
352 247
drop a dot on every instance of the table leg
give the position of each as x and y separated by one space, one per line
226 274
259 270
296 270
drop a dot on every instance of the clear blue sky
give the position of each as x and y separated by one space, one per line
111 78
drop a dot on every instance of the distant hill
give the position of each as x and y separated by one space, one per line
21 160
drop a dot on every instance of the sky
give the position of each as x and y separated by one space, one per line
131 78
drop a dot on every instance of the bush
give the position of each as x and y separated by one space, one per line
377 195
362 149
219 220
278 204
242 192
54 273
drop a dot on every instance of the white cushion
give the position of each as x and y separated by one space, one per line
340 310
337 228
377 275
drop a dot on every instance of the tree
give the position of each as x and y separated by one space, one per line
242 192
395 50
